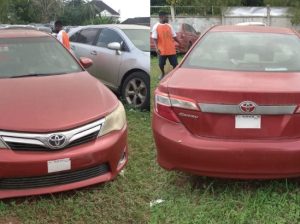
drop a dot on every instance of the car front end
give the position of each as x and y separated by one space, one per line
60 128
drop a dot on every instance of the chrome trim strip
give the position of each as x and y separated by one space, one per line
84 133
42 139
259 110
22 140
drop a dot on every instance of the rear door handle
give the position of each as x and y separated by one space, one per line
93 53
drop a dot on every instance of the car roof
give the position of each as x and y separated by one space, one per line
257 29
18 33
120 26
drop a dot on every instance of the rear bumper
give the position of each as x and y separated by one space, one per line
107 149
177 149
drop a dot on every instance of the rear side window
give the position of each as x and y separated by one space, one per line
108 36
246 51
86 36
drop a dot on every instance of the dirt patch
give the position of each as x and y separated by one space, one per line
10 220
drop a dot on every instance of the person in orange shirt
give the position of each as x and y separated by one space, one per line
164 36
62 35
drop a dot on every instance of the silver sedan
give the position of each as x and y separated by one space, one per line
121 55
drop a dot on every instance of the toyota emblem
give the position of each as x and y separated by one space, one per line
248 106
57 141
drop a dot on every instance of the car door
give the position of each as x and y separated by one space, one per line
82 45
107 62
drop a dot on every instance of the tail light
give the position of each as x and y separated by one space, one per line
164 104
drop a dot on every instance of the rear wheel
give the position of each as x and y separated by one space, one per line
136 90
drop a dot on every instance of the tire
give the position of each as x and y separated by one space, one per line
136 90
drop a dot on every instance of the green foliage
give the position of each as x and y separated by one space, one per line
158 2
71 12
294 8
101 20
252 2
75 12
198 2
175 2
4 6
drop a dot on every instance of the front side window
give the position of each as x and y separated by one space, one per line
246 51
34 56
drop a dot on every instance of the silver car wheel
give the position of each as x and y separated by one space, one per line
136 92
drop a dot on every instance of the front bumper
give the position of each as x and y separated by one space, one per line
107 149
178 149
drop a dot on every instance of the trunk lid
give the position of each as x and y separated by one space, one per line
276 96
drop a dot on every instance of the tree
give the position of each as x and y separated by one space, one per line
17 11
158 2
49 9
4 5
253 2
294 8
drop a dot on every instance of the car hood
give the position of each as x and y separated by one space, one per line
53 103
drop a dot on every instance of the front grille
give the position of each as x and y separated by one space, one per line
53 179
84 139
31 147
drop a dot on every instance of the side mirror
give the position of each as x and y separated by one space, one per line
114 46
86 62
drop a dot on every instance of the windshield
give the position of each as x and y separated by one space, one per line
140 38
243 51
34 55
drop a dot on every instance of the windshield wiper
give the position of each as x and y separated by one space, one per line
35 74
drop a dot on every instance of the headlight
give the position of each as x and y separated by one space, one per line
114 121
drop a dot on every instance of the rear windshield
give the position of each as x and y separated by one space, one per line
246 52
34 55
139 37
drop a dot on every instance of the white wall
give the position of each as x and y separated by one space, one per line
202 23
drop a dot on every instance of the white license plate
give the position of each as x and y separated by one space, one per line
59 165
248 121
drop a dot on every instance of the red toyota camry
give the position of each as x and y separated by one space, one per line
232 107
60 128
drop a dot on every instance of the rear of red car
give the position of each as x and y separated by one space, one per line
231 108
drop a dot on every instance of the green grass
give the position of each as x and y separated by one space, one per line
192 199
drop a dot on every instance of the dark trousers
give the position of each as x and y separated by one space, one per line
172 59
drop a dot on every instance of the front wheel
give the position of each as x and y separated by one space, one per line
136 90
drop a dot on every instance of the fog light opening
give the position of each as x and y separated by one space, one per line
122 159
